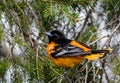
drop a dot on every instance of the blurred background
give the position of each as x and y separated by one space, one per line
23 57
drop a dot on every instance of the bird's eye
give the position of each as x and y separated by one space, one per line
56 36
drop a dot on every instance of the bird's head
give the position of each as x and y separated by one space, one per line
55 35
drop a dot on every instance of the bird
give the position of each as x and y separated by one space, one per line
68 53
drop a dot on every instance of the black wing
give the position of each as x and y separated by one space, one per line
68 51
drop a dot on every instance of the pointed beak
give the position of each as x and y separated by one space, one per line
48 34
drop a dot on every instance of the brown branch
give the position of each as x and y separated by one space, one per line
33 13
107 43
37 64
86 76
85 22
97 40
103 67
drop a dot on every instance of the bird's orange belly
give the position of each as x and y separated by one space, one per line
67 61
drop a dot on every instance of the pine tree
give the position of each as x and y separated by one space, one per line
22 27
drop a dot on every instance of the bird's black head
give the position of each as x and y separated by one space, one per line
56 36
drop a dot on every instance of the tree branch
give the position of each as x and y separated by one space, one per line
85 22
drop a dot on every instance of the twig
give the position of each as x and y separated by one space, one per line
110 36
67 14
85 22
93 66
91 38
52 80
97 40
51 7
54 71
59 76
33 13
37 68
107 78
86 76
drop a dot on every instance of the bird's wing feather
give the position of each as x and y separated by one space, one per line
68 51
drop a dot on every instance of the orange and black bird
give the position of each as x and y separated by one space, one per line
68 53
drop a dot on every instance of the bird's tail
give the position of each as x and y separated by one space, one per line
96 54
99 51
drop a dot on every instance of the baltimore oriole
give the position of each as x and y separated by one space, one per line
68 53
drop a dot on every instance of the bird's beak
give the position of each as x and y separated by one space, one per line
47 33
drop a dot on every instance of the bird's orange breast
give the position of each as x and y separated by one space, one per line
67 61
